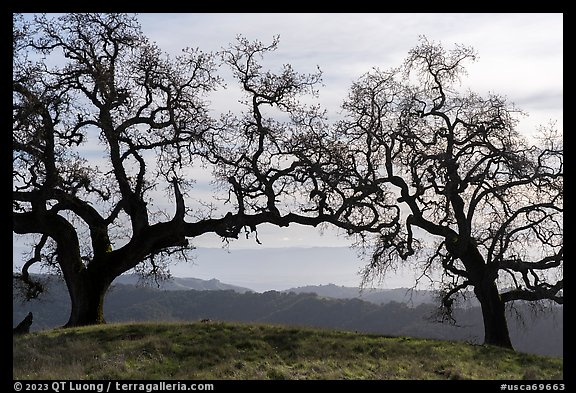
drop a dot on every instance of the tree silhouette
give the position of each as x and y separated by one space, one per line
102 119
453 168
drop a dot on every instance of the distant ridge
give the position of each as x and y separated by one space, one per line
181 284
540 333
372 295
412 298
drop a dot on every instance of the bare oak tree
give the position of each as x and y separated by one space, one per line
95 104
459 172
102 119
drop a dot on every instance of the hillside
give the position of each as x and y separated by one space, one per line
373 295
182 284
534 333
217 350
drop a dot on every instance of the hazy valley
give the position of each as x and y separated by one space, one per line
396 312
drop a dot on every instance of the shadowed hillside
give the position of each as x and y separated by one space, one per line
219 350
533 333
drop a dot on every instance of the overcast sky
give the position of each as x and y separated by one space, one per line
520 56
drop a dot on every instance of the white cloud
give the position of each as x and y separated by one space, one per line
520 54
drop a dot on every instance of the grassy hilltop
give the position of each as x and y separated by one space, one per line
218 350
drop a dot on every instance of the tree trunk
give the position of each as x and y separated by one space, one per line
494 315
486 291
87 297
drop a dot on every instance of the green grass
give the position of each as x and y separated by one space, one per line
249 351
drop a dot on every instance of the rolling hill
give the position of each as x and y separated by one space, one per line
538 333
218 350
